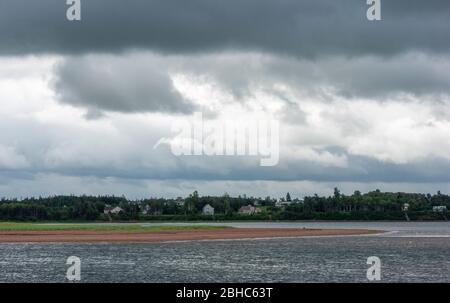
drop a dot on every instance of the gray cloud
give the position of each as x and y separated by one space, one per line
117 84
366 76
166 167
141 81
301 28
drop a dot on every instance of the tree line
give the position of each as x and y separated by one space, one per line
374 205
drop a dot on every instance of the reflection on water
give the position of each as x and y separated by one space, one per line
414 253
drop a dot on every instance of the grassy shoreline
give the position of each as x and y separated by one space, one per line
15 226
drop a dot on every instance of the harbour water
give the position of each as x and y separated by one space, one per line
409 252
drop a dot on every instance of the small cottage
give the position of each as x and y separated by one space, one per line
249 210
208 210
113 210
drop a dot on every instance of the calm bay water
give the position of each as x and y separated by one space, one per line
410 252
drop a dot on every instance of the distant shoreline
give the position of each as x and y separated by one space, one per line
98 236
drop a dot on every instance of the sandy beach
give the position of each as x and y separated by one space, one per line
89 236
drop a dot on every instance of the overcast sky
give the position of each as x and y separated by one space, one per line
362 105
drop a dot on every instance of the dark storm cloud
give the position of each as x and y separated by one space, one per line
301 28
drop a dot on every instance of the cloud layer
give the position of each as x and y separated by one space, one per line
308 28
334 139
144 81
361 104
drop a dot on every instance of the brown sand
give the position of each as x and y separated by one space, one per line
166 236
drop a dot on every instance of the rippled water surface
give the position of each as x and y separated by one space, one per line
410 252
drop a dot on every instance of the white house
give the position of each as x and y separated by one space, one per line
249 210
208 210
116 210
